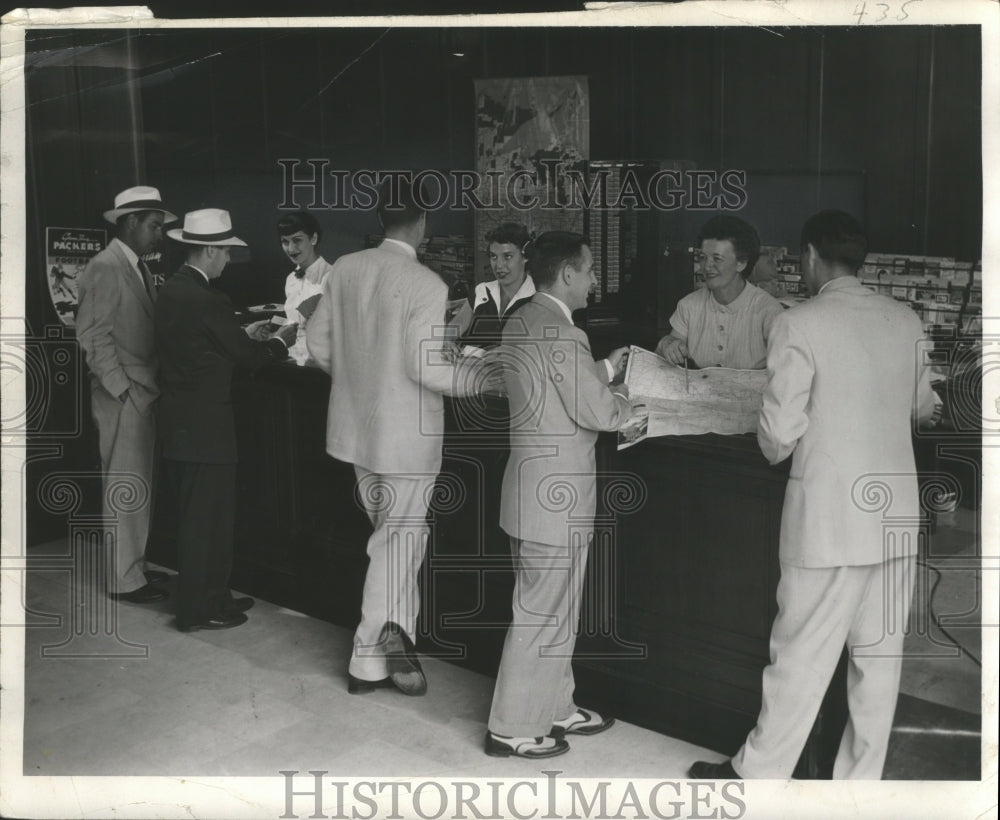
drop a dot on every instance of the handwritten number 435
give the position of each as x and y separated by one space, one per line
883 9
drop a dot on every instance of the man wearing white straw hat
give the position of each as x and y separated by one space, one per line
200 343
114 326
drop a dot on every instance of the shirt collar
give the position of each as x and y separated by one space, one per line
129 253
562 305
410 250
745 297
493 288
837 283
195 267
318 265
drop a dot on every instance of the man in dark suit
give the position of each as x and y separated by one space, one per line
114 326
199 343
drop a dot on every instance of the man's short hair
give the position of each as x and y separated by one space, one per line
299 221
837 237
548 252
397 207
741 233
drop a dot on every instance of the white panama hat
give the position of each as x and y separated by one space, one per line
139 198
209 226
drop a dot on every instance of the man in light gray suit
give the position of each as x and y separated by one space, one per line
114 326
378 330
559 400
845 385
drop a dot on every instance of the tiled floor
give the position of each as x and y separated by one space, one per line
271 695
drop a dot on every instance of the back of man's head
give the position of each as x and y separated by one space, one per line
838 238
397 207
548 253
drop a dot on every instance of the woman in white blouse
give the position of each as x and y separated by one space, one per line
726 323
479 322
300 234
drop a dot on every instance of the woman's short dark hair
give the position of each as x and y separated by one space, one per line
741 233
548 252
509 233
837 237
299 221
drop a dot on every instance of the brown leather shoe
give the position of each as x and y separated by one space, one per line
713 771
147 594
401 660
360 686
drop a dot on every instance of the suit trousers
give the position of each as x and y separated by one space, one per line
127 441
204 502
535 681
819 610
397 507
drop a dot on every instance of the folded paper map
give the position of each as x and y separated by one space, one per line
675 402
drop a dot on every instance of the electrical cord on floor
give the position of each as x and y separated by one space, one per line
937 621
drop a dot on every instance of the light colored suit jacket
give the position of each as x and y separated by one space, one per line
845 382
559 400
378 330
114 326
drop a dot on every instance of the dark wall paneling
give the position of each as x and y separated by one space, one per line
769 78
81 125
954 185
676 111
875 101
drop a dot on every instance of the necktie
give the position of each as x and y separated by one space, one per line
147 278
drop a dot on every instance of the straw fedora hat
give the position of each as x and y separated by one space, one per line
209 226
139 198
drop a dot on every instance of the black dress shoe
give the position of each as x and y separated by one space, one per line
240 604
225 621
401 660
713 771
143 595
532 748
154 576
360 686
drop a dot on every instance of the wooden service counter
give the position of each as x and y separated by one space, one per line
680 591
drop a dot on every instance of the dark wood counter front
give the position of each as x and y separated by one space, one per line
680 592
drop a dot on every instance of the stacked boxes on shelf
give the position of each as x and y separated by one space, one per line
937 288
940 290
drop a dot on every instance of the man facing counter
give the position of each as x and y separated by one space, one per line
374 331
845 384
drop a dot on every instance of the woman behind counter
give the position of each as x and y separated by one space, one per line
300 234
726 323
479 322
